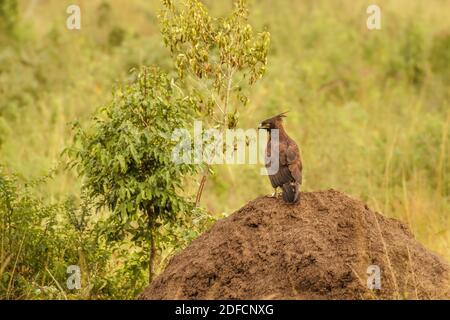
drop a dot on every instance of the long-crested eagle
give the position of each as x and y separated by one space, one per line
289 173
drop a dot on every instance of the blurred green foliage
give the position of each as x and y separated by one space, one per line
9 14
125 157
440 55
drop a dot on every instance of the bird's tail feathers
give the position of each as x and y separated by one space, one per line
291 192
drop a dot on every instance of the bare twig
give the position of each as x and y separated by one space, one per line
394 279
57 284
14 268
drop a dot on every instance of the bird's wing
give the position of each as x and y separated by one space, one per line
283 174
293 162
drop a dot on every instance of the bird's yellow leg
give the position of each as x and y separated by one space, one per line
274 195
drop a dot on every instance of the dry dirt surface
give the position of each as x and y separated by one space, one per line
319 248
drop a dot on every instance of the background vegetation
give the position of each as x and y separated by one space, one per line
369 109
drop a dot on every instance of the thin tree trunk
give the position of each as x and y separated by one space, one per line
225 126
200 188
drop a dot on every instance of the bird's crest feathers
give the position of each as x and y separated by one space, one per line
278 116
282 115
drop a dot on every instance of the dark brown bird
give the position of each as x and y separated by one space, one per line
289 174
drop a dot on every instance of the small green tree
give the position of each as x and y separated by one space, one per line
218 58
9 13
125 157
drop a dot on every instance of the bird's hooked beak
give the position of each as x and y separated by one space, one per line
264 126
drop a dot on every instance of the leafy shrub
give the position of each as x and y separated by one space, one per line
215 54
31 239
39 241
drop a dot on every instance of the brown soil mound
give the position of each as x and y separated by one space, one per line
319 248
